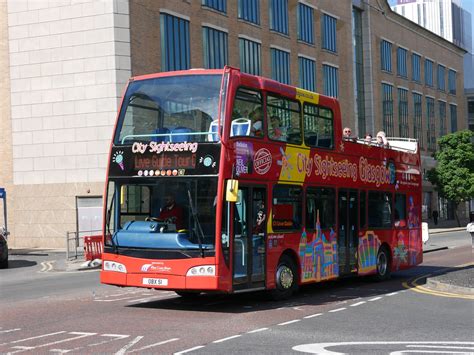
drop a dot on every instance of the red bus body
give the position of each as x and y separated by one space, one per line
287 179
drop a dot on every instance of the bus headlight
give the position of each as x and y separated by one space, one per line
113 266
203 270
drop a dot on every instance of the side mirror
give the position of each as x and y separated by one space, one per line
231 190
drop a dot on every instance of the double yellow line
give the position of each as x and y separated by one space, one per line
413 285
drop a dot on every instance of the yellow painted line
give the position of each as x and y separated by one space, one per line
414 286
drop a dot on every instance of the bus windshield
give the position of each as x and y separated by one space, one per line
171 109
157 213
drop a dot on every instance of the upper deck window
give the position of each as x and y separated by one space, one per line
247 114
284 119
318 126
169 109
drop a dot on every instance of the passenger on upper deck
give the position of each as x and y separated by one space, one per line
347 134
276 131
368 138
257 122
382 140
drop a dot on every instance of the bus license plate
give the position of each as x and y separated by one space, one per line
155 282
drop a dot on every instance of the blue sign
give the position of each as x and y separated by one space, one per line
3 193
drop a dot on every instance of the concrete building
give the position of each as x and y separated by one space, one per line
66 62
446 18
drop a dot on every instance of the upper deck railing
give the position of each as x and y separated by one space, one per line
409 145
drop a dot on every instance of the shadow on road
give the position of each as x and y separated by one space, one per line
328 292
15 264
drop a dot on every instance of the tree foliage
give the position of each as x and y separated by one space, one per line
453 176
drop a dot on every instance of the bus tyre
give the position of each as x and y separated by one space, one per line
383 264
285 278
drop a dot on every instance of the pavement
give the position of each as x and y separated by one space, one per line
458 282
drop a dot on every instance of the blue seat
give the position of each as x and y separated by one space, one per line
240 127
163 137
213 135
179 134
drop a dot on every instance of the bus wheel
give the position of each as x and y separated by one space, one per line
188 294
285 278
383 264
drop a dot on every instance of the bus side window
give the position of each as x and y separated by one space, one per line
247 113
286 209
284 119
400 211
318 126
363 210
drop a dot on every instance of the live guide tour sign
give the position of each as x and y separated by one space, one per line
161 159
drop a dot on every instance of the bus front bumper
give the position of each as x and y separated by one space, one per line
160 281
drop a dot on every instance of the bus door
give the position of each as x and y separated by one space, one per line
348 234
249 227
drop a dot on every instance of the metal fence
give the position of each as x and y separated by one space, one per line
75 243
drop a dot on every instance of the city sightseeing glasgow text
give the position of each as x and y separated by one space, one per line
344 169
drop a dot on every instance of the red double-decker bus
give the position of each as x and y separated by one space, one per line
228 182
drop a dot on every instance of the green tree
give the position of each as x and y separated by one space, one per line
453 177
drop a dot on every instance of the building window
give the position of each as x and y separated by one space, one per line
214 44
387 109
441 77
175 48
402 62
428 72
430 119
219 5
386 56
249 10
250 61
452 82
280 65
328 33
442 118
305 23
403 112
415 67
330 81
307 70
417 119
279 16
454 117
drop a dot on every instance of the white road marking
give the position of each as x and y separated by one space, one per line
225 339
392 294
115 336
31 338
337 310
439 346
156 344
80 336
9 330
257 330
358 304
189 350
313 315
375 299
290 322
129 345
323 348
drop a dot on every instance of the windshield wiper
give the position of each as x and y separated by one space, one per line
200 233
